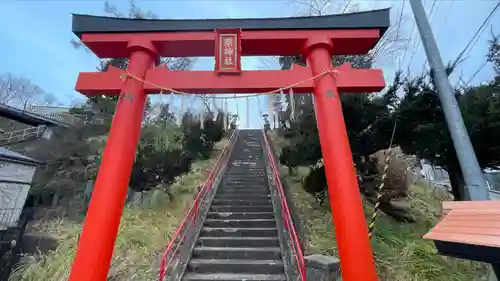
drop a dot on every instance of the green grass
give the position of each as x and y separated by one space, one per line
400 252
144 232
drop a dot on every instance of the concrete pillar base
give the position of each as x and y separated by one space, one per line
322 268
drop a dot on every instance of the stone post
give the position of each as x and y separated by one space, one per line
322 268
47 133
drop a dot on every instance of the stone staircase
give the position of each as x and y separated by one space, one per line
239 239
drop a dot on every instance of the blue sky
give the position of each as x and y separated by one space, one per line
36 34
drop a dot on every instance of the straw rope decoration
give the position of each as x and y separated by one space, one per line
373 220
173 91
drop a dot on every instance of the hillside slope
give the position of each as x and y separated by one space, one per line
400 252
145 230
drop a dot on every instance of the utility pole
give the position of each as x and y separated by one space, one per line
473 175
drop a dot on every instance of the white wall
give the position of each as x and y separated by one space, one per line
13 195
440 176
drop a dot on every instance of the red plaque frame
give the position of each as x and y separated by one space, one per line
228 58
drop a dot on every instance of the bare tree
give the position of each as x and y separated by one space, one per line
19 91
389 45
134 12
387 49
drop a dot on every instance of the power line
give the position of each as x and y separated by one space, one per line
476 73
418 38
406 49
432 8
407 45
449 12
430 18
477 35
400 19
397 33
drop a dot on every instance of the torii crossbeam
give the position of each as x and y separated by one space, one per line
145 41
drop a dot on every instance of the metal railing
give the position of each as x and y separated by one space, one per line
285 212
21 135
61 117
64 116
188 224
72 119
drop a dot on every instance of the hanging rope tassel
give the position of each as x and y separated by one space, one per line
380 189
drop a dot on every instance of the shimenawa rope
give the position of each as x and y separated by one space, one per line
166 89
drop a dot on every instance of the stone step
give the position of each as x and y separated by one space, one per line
239 232
262 185
240 215
245 209
236 266
253 180
237 253
231 174
238 242
242 196
246 156
225 202
239 165
243 191
259 183
233 277
235 172
246 186
240 191
236 167
259 178
244 177
244 174
240 223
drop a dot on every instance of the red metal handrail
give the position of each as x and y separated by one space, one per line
206 187
287 218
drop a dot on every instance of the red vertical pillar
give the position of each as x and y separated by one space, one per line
95 247
355 252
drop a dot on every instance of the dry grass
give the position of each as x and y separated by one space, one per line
400 252
144 232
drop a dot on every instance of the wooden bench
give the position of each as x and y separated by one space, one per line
469 230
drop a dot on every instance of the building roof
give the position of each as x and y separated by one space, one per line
28 117
12 156
376 19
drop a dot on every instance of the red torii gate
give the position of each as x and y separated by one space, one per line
144 41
